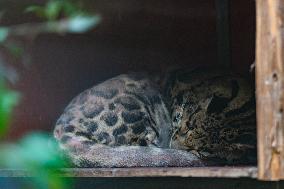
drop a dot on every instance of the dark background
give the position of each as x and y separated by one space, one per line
134 35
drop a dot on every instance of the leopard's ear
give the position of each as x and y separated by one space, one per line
153 75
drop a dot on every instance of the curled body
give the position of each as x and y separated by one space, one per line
121 118
201 117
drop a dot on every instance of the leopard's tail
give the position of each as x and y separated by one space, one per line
133 156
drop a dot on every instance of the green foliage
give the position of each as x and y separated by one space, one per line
54 9
4 31
81 24
59 16
38 154
80 20
15 49
8 99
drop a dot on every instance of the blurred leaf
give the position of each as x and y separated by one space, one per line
53 9
14 49
33 151
39 154
38 10
33 8
44 150
71 9
80 24
8 99
4 31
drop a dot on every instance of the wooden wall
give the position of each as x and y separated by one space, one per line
270 84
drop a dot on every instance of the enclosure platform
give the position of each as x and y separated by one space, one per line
221 172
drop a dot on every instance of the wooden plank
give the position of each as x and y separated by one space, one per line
226 172
270 91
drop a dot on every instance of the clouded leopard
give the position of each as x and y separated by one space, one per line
195 119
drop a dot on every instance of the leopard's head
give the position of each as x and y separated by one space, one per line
214 116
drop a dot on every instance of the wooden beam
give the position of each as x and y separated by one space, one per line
220 172
270 88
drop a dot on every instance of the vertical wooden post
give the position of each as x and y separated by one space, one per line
223 32
270 88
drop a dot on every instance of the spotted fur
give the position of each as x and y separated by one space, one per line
125 122
213 115
124 111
